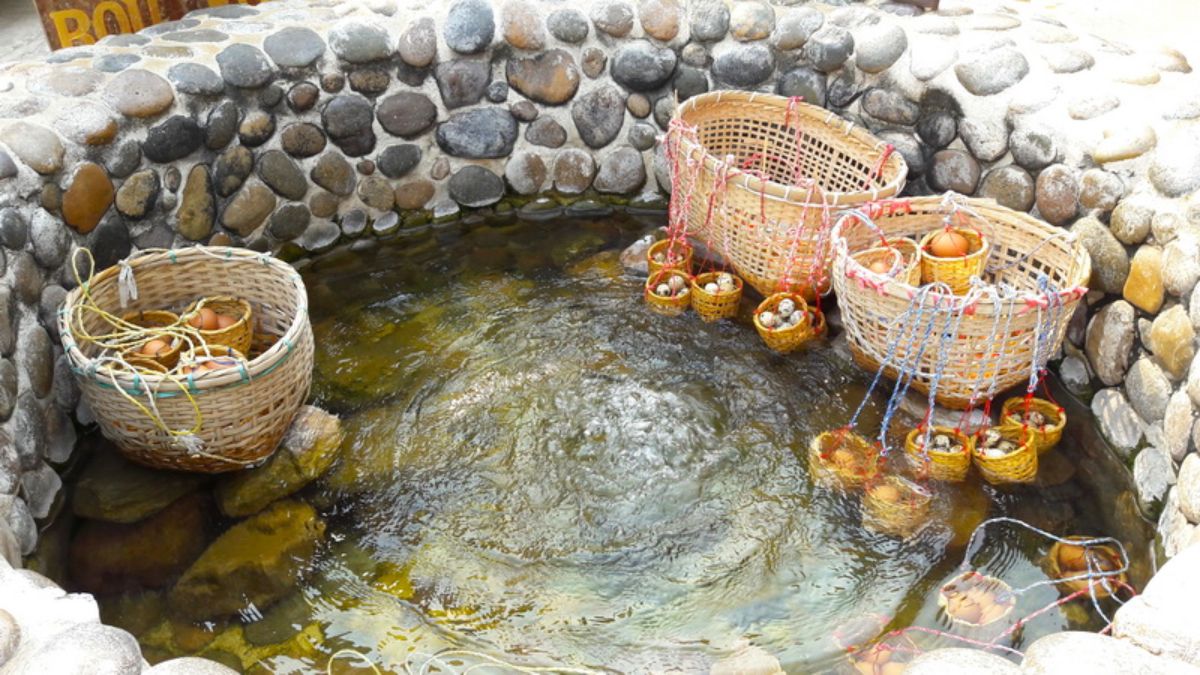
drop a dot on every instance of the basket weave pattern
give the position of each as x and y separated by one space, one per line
972 355
900 517
667 305
773 229
824 467
715 306
245 410
955 272
680 250
951 467
1018 466
787 339
1044 439
239 334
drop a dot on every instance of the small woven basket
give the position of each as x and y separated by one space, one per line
1044 438
676 257
955 272
1018 466
715 306
842 459
951 467
220 355
972 583
1101 551
895 506
673 305
758 175
789 338
240 334
898 267
155 319
244 412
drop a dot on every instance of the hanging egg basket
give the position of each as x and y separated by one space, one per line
941 463
785 323
668 292
663 254
224 309
760 175
895 506
1015 461
842 459
952 256
976 600
1044 421
716 295
1066 560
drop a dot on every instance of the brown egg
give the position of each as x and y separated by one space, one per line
948 244
1072 558
205 319
887 493
969 611
880 267
224 322
843 458
155 347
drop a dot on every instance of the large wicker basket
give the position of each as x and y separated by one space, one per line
245 410
758 175
978 352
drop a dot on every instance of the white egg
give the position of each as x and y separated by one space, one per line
676 282
725 278
796 318
727 287
767 319
712 288
663 290
660 258
786 307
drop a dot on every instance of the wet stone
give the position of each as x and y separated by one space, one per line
622 171
323 204
599 115
248 209
478 134
87 199
354 223
302 139
35 145
386 224
303 96
795 27
551 77
197 207
335 174
320 236
641 66
222 125
462 82
689 82
294 47
414 195
357 41
370 81
406 114
398 160
231 169
139 93
573 171
475 186
613 17
282 174
953 170
546 132
1011 187
594 62
993 71
1057 194
525 172
114 63
890 106
877 47
708 19
829 48
937 129
418 44
743 65
270 96
469 26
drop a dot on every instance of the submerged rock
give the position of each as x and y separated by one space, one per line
308 449
115 490
258 561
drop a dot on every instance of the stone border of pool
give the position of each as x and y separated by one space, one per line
298 127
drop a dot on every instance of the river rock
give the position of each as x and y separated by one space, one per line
357 40
282 174
621 172
245 66
573 171
347 119
1130 222
708 20
1076 651
660 18
407 114
84 648
248 209
993 71
414 195
1110 262
568 24
878 46
550 78
1033 146
599 115
114 490
462 82
1057 194
190 665
1124 142
1109 341
418 43
546 132
1176 168
1157 620
302 139
1148 389
478 134
35 145
525 172
641 66
613 17
257 127
308 449
1118 421
807 83
1172 340
289 221
751 20
257 561
1153 475
294 47
828 48
221 125
960 661
139 93
375 192
953 170
197 208
469 26
743 65
1144 286
474 187
138 194
1100 189
1178 422
88 197
890 106
1066 59
1011 187
398 160
1181 263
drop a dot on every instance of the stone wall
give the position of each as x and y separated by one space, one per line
297 126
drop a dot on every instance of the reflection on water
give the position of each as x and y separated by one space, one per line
539 469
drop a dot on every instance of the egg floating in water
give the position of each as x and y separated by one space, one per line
949 244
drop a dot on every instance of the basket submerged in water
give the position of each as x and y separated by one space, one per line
1044 438
715 306
895 506
1018 466
774 225
944 465
245 410
976 353
1101 556
842 459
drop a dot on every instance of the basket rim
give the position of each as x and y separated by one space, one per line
914 449
790 193
1039 404
161 386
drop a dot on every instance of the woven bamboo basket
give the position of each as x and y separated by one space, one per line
1045 438
240 334
951 467
973 357
760 176
715 306
910 251
827 464
895 506
668 305
1104 555
1018 466
972 583
898 267
154 319
790 338
677 257
210 358
955 272
244 411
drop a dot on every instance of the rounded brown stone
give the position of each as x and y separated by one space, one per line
323 204
594 61
221 239
334 173
139 93
256 128
953 170
370 81
87 123
231 169
573 171
1011 187
137 194
302 139
550 77
197 208
440 169
88 198
65 81
522 25
414 195
303 96
333 82
376 192
51 197
660 18
418 44
1057 194
365 167
248 209
639 105
35 145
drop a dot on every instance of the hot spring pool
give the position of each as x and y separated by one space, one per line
538 469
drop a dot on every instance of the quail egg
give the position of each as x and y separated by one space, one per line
676 283
712 288
664 290
768 319
786 307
